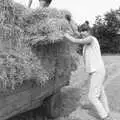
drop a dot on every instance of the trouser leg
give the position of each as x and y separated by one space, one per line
104 100
96 81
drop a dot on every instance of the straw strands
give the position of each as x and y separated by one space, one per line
32 44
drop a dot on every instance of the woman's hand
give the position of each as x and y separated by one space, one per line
66 35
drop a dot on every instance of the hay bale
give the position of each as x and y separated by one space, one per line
32 44
47 22
11 11
40 14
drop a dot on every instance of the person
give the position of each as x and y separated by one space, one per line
94 66
42 3
73 25
29 3
86 22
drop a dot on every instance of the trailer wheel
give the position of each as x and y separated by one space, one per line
52 106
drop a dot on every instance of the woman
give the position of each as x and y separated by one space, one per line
94 66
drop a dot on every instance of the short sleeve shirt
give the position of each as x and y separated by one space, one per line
92 56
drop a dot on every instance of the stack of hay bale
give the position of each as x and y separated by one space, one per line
32 44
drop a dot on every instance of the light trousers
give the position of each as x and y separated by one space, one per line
97 94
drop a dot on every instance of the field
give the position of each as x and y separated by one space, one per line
113 81
74 95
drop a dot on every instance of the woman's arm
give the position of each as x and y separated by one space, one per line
74 28
86 40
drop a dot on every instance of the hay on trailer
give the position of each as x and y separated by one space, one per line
32 44
47 22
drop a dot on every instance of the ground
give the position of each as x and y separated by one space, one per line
74 96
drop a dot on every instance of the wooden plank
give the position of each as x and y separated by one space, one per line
43 91
2 103
23 101
8 97
17 111
20 102
26 98
7 92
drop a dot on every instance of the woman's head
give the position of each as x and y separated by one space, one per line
85 29
87 22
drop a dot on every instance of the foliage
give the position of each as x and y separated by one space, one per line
105 29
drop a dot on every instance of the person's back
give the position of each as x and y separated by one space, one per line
34 4
39 3
92 56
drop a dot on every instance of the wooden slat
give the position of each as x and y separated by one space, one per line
42 91
24 101
7 92
28 97
19 101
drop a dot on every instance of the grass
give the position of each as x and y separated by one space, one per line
112 85
112 64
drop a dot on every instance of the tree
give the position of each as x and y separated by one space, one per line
105 29
113 23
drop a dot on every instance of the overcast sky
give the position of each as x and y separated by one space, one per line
81 9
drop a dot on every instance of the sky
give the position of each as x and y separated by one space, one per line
81 9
